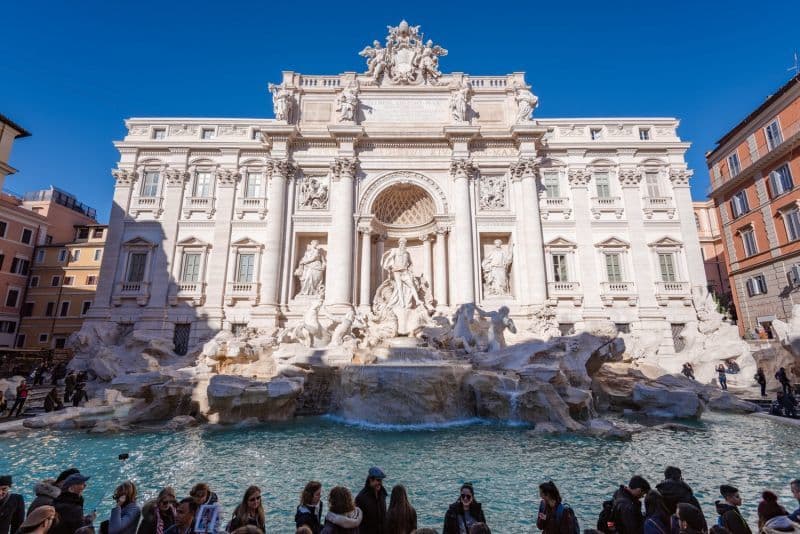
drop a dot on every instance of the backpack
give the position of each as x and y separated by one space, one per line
607 522
563 508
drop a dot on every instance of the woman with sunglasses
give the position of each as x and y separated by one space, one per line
249 512
159 514
463 513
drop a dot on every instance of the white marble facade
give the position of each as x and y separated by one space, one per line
213 217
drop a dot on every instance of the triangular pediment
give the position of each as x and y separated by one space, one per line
666 242
246 242
560 242
192 242
138 241
613 242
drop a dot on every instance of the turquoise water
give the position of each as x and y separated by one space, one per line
506 464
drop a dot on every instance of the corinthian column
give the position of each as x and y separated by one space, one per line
440 270
278 170
462 171
366 265
339 274
524 172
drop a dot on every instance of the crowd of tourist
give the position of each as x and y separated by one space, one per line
74 391
634 508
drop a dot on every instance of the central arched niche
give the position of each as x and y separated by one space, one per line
404 206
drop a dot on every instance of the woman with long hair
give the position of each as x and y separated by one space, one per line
343 515
250 511
125 515
309 511
201 494
657 516
401 517
159 514
463 513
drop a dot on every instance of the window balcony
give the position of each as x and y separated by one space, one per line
251 205
193 292
611 291
139 291
602 205
248 291
147 205
548 205
658 204
565 291
198 204
666 291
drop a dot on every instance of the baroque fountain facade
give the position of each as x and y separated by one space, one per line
404 245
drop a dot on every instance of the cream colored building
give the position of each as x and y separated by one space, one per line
212 218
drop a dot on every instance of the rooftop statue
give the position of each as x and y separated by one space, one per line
407 59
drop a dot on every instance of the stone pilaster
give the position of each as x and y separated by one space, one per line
691 242
529 228
462 170
278 171
366 266
440 268
341 237
427 258
219 271
640 256
164 269
585 250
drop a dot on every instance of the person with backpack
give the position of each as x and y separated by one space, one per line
627 510
675 491
657 516
728 511
555 516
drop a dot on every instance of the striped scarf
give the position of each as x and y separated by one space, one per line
160 521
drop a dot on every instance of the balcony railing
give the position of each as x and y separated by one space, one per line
146 204
252 205
242 291
569 290
606 205
666 291
611 291
660 204
140 291
194 292
198 204
549 205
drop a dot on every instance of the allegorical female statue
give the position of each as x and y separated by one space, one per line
311 269
495 268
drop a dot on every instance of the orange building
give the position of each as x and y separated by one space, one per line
710 233
755 186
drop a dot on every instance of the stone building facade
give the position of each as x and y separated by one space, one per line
225 223
755 173
712 249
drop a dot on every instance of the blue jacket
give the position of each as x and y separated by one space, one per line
124 520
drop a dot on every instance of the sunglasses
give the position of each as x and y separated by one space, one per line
166 503
252 499
466 496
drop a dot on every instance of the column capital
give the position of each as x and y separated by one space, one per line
578 177
442 230
227 177
176 177
426 238
344 167
124 177
280 168
366 230
630 177
680 177
523 168
462 168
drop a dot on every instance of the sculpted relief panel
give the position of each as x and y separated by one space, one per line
313 192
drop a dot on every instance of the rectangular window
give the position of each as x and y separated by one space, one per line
3 228
60 342
40 255
76 254
749 242
98 233
792 219
150 184
27 235
62 255
560 272
733 164
757 285
245 266
254 186
55 281
34 281
43 338
653 188
602 184
613 267
85 307
159 133
595 133
50 309
202 184
20 266
20 340
551 184
83 233
666 263
644 134
794 275
91 280
98 253
136 266
190 272
12 297
69 280
207 133
2 260
180 338
780 180
739 204
64 309
27 309
773 134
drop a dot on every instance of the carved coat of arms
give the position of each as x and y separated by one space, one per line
406 59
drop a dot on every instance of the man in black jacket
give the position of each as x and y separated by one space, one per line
628 506
372 501
730 517
675 491
69 506
12 507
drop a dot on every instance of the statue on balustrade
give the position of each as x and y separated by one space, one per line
311 269
495 267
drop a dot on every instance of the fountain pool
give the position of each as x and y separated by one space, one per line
506 463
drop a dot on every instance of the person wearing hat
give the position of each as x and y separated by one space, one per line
39 521
12 507
628 506
372 502
728 511
45 492
69 505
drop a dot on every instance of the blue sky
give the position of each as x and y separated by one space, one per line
70 72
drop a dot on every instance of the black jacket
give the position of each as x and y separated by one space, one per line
148 524
676 492
732 519
553 523
69 507
455 515
374 509
236 522
12 513
628 512
306 515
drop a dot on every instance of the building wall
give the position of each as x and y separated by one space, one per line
62 275
709 232
776 251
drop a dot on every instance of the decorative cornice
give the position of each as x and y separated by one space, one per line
578 177
124 177
680 177
343 168
462 168
227 177
523 168
629 177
